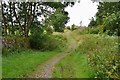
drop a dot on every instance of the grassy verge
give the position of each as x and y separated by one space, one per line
73 66
96 56
21 64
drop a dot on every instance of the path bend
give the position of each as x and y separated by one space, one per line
46 69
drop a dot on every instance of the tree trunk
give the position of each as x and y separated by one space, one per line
17 18
10 4
4 21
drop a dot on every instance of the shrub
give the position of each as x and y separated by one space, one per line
93 30
90 31
111 23
73 27
46 42
37 40
102 54
12 45
84 31
68 28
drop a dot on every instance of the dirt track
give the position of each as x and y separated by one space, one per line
45 70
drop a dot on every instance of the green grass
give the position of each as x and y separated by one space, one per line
96 56
21 64
73 66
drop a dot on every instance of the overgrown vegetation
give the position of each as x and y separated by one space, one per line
29 39
102 54
73 66
108 16
96 57
11 45
47 42
103 50
26 31
22 31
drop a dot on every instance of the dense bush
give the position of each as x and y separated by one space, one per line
93 30
73 27
102 54
111 24
68 28
90 31
12 45
46 42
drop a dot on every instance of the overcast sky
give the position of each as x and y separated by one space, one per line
82 11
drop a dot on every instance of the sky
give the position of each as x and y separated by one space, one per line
82 11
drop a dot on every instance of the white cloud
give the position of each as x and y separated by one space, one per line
82 11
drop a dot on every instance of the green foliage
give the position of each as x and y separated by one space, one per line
43 41
84 31
55 4
58 20
37 40
73 27
108 16
93 30
26 14
111 23
68 27
102 54
14 45
92 23
90 31
49 30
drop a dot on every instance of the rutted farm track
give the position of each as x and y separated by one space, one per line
45 70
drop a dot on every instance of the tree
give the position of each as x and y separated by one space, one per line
73 27
108 16
58 20
22 15
92 23
80 23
